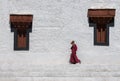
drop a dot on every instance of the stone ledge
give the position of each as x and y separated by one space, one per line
59 74
59 79
60 68
61 71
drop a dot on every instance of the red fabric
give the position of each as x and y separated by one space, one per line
73 58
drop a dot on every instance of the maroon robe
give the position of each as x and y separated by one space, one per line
73 58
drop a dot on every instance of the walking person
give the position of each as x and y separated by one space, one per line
73 58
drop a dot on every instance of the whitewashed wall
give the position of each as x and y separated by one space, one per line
55 24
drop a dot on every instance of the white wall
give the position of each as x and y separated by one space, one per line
55 24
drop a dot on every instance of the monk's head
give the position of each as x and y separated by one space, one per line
72 42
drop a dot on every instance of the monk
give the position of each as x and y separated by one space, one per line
73 58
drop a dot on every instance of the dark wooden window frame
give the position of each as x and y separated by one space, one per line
21 25
101 16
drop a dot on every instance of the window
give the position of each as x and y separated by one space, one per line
101 33
101 19
21 25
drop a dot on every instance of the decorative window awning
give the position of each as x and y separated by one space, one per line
101 12
21 18
21 25
101 19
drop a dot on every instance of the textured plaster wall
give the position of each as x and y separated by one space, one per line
55 24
